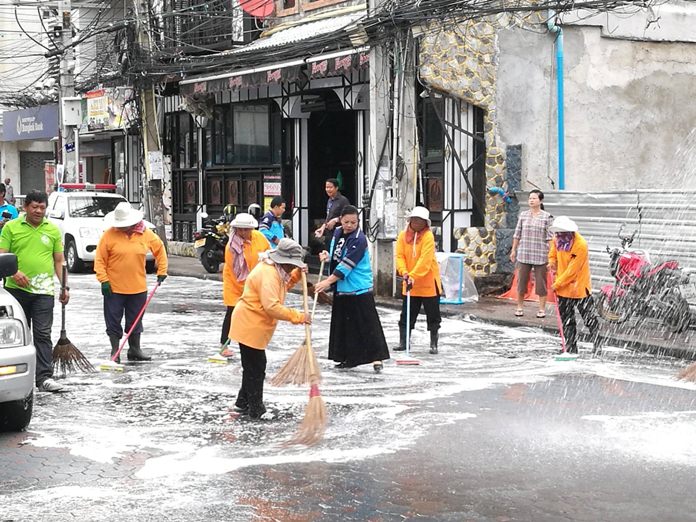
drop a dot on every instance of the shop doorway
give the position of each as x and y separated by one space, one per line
332 154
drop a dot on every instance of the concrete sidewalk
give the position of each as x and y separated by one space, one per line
649 336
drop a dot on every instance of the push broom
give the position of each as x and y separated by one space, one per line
218 358
407 360
297 369
688 373
313 425
66 357
111 365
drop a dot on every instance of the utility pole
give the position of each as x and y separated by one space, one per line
68 145
153 160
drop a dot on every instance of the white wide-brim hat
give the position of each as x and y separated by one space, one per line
244 220
289 252
563 224
420 212
124 215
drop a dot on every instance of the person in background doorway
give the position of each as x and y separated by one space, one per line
271 225
241 256
334 207
417 265
356 335
10 196
569 259
119 265
530 250
256 316
39 249
7 210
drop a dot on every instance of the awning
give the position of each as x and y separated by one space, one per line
328 64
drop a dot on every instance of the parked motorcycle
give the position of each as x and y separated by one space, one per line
210 243
645 290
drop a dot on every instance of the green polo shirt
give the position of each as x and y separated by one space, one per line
34 248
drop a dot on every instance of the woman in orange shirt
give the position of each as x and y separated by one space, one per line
569 259
256 316
416 263
119 264
241 256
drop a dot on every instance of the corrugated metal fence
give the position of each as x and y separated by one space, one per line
665 222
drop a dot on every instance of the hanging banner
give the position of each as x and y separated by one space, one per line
339 66
243 81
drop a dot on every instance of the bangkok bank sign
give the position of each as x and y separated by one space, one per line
35 123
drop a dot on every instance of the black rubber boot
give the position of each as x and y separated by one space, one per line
115 341
402 341
255 397
433 341
134 351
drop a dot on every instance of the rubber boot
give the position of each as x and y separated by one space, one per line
134 351
402 341
115 341
255 397
433 341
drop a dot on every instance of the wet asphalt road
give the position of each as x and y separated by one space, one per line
491 429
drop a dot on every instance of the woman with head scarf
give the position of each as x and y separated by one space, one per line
569 259
417 265
256 316
119 264
356 335
241 256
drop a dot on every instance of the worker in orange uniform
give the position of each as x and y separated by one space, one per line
120 268
256 315
570 260
241 256
417 265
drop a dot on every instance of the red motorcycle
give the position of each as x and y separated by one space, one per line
645 290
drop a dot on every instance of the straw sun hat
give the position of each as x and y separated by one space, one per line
124 215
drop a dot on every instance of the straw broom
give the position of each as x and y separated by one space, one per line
297 369
66 357
313 425
688 373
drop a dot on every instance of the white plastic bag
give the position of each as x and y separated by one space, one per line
457 284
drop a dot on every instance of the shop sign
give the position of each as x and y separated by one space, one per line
108 109
35 123
339 66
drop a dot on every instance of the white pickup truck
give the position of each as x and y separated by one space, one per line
80 217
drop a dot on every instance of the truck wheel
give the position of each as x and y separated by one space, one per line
16 415
75 264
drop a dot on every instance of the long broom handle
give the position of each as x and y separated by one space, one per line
316 296
408 321
308 331
63 286
558 317
135 323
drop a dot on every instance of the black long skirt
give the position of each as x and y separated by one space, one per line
356 333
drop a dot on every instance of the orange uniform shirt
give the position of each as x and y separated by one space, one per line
121 259
261 307
420 263
572 269
231 288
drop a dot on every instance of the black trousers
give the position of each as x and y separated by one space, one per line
225 334
253 374
38 309
115 305
567 307
431 305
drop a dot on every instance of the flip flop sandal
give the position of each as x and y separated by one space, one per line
541 314
519 312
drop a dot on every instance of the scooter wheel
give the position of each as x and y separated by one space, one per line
677 317
611 312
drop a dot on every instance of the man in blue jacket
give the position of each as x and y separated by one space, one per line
270 225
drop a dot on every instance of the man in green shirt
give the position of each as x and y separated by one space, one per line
39 249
